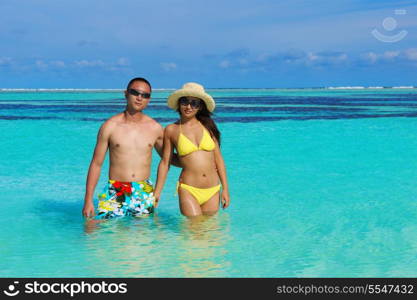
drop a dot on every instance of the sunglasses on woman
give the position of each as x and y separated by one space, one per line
137 93
195 103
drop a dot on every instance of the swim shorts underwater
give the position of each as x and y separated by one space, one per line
120 199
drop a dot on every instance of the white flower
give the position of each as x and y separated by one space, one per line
141 209
118 212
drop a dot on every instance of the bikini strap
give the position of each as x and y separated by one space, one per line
204 128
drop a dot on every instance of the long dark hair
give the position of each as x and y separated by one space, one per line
204 116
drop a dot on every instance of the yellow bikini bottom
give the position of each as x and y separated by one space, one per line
201 195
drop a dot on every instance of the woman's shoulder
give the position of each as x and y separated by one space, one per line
172 128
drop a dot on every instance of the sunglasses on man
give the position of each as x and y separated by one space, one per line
139 93
195 103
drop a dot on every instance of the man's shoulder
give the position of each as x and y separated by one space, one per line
116 118
111 122
152 123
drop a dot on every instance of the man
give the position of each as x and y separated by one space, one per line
130 137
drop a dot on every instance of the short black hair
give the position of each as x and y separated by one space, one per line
138 79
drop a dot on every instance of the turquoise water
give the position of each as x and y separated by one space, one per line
323 184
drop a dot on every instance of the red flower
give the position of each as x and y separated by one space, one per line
126 188
117 184
122 188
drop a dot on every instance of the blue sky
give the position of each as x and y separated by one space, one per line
298 43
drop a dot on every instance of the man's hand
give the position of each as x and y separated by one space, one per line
88 209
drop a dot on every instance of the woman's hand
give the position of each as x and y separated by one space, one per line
157 196
225 199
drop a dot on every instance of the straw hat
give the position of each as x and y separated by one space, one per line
191 89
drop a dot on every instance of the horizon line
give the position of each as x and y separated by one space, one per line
211 88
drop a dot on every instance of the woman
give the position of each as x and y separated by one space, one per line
197 141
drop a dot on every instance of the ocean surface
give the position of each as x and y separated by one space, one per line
323 184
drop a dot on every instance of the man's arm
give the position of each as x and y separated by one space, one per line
95 168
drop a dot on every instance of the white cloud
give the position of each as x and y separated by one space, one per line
44 65
41 65
224 64
391 56
4 61
169 66
312 57
336 58
290 57
262 57
322 58
58 64
123 62
411 54
370 57
120 64
89 63
243 61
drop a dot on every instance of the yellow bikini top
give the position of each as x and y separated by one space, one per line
185 146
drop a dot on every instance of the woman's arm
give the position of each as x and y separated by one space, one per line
159 144
221 170
163 168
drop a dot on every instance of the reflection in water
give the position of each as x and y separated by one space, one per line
159 246
202 246
90 225
126 247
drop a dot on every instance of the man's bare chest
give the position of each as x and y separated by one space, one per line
132 140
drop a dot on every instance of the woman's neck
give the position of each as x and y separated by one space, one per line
190 121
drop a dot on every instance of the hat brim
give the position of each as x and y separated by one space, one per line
173 98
